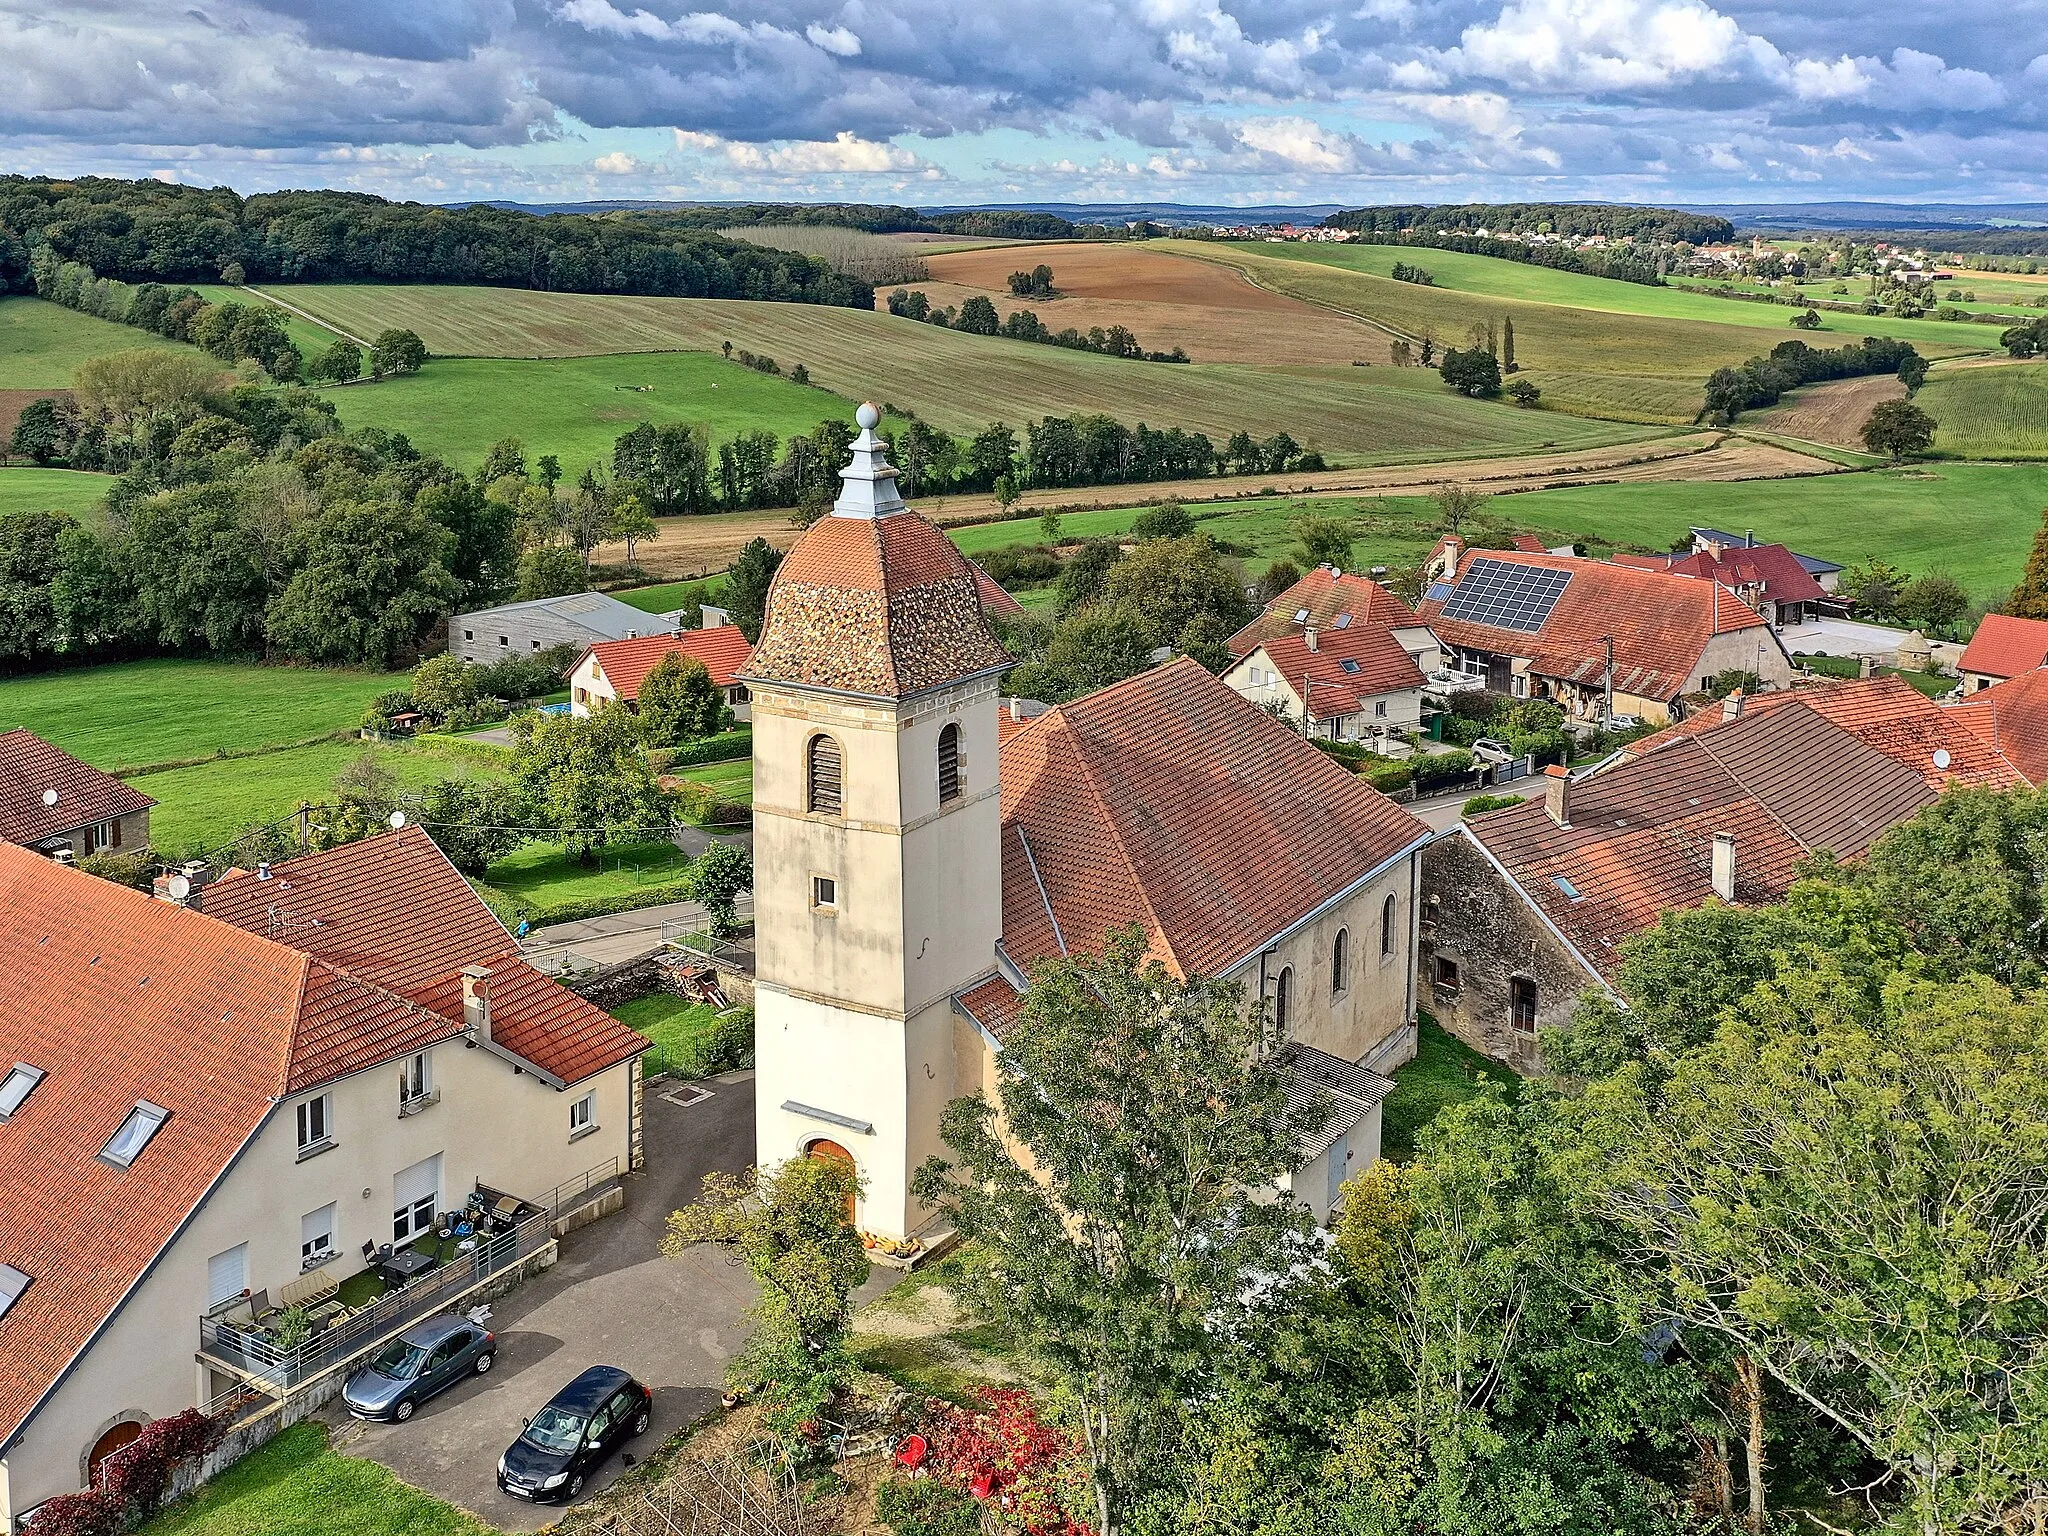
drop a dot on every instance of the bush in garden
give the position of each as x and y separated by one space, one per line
926 1507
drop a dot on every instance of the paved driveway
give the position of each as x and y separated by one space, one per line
612 1300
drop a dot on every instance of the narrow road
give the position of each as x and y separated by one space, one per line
306 315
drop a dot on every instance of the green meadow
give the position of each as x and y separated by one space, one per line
23 489
42 344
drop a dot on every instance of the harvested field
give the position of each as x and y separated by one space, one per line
1216 315
960 383
12 401
690 546
1831 413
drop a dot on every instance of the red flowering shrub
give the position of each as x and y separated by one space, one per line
79 1514
136 1478
1006 1452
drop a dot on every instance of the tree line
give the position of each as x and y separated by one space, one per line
147 231
1762 380
1617 221
977 317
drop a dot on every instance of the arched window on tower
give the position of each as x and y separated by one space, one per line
1283 999
822 776
949 763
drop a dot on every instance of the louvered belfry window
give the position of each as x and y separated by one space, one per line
824 776
949 764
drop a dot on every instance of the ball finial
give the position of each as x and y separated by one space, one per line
868 417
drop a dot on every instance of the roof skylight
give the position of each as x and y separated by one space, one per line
1348 664
1571 892
143 1122
16 1086
12 1283
1301 615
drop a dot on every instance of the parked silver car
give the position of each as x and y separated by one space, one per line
426 1359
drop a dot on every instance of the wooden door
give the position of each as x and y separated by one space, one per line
832 1152
113 1440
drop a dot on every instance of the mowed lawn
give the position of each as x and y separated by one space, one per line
1989 412
296 1486
202 807
23 489
680 1031
670 595
135 713
955 381
732 782
575 408
543 874
41 343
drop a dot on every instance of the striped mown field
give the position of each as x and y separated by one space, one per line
960 382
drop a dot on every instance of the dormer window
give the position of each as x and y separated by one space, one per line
12 1283
143 1122
16 1086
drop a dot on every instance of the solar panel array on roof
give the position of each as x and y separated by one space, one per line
1438 591
1505 596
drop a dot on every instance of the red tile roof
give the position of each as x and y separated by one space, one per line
1529 544
1326 595
1170 802
1643 562
1379 666
625 663
996 600
2011 718
1660 624
878 606
118 998
1772 569
393 912
29 765
1785 781
1885 713
2004 646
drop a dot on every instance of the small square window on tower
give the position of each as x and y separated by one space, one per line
825 893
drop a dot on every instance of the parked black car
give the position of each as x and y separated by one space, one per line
559 1447
427 1358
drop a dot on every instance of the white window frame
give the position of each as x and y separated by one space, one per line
16 1088
315 1125
583 1116
416 1217
824 893
415 1082
147 1119
317 1241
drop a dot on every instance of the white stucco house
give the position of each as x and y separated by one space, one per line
211 1108
910 872
613 670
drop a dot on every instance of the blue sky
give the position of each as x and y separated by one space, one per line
925 101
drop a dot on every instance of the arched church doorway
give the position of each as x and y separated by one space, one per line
832 1152
113 1440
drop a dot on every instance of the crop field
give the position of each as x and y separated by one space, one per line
201 807
310 339
131 714
961 382
1996 411
1214 314
42 343
24 489
1833 412
575 408
1974 521
1593 345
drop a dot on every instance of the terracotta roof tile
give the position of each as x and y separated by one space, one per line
206 1016
626 663
2004 646
996 600
1785 781
1772 568
29 765
1170 802
1378 665
1326 594
1660 624
2011 719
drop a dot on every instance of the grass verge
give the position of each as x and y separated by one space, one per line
297 1486
50 490
681 1031
1445 1071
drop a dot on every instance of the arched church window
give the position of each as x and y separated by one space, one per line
823 792
949 764
1340 963
1283 999
1387 927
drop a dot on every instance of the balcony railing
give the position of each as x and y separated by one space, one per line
252 1352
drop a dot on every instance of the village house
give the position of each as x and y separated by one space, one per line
1525 907
613 670
910 872
54 804
1346 684
580 619
1712 540
2003 647
2012 719
1330 599
222 1105
1597 638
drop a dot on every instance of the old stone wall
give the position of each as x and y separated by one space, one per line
1476 921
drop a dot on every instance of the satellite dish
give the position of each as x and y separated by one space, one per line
397 820
1941 757
49 797
179 887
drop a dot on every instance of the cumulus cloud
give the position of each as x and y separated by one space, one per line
1912 80
1612 45
843 154
617 163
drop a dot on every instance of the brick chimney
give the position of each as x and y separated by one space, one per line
476 1000
1724 866
1731 707
1556 785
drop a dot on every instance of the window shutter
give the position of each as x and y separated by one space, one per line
227 1274
824 776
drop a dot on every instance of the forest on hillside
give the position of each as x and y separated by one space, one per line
1617 221
148 231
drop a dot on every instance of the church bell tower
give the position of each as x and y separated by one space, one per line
877 835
